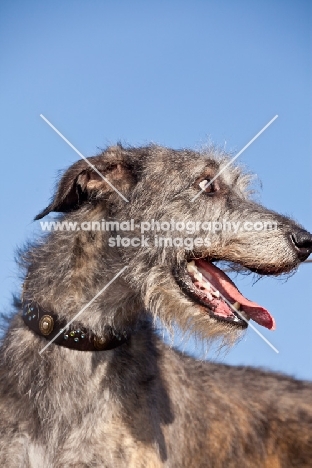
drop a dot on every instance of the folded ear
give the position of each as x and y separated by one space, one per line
81 183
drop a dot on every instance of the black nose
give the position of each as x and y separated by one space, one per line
302 240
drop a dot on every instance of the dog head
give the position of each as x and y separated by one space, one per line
170 216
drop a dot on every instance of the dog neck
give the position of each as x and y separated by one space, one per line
71 334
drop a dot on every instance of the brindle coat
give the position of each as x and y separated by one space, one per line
145 404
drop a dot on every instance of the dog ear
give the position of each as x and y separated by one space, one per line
81 183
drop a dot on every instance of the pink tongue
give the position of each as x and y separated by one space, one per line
225 286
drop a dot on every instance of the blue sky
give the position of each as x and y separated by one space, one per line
178 73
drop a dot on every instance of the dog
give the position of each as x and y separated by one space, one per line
86 381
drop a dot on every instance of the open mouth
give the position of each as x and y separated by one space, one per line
212 288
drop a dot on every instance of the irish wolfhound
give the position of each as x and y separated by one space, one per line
107 392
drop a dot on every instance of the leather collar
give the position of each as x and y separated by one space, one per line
75 336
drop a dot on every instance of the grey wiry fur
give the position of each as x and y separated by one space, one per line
144 404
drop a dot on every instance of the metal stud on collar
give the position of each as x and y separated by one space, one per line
46 325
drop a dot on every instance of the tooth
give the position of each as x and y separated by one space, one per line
198 276
237 305
191 267
215 293
244 315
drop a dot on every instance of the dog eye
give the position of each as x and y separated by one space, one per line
207 186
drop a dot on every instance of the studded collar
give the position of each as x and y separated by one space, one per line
74 336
